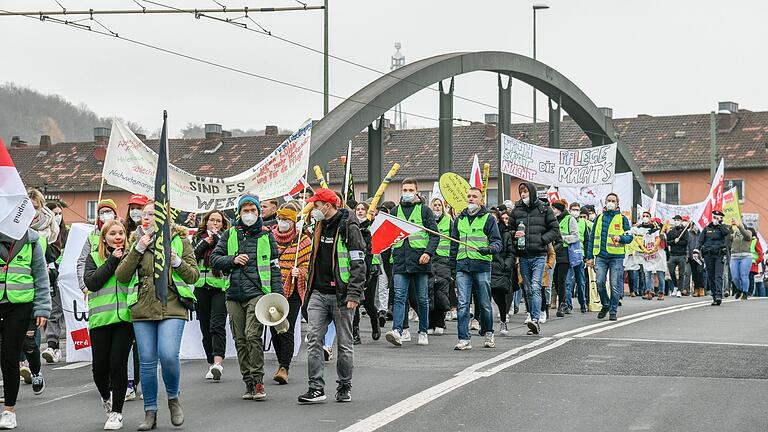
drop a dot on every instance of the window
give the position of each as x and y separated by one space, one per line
363 196
738 184
90 211
427 194
669 193
492 198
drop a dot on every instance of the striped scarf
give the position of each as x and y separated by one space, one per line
286 247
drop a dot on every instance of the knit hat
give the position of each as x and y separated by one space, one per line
107 203
249 198
287 213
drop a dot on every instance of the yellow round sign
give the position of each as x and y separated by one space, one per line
454 190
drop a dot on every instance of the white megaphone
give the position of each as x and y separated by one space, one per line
272 310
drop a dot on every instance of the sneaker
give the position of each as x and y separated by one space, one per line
258 392
603 312
413 316
560 311
51 355
661 296
327 354
439 331
38 384
543 317
463 345
533 327
209 374
312 397
503 328
130 394
583 309
474 324
26 374
448 316
527 318
8 420
423 339
394 338
490 341
454 315
406 337
612 317
737 295
249 390
568 309
344 393
114 421
107 405
516 310
216 371
430 331
382 319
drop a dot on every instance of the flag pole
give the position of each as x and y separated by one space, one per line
301 231
434 232
101 190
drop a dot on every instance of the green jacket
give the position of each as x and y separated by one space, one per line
148 307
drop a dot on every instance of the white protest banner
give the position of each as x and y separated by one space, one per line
595 194
751 220
130 165
558 167
668 211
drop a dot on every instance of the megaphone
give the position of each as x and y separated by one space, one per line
272 310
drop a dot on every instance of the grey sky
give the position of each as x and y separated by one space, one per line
652 57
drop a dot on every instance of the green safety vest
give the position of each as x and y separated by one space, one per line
376 260
444 227
109 305
207 277
16 281
753 248
565 229
473 234
342 253
263 259
184 290
616 228
582 229
93 239
418 240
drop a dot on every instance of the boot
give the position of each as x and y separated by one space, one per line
560 310
281 376
177 414
356 336
150 421
375 330
701 292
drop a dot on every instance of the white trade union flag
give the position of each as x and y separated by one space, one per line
16 209
387 230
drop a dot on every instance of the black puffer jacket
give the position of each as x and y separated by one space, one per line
244 281
502 265
440 284
541 226
406 259
679 247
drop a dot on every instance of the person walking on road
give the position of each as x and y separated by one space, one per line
713 245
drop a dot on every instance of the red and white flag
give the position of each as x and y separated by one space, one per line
300 186
714 200
476 178
387 230
552 194
16 209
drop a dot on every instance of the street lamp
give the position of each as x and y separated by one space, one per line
535 8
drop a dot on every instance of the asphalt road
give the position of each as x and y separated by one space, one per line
676 365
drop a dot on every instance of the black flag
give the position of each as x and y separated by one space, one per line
162 223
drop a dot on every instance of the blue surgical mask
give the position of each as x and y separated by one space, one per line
408 197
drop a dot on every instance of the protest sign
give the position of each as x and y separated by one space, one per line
130 165
454 190
558 167
666 212
751 220
731 207
595 194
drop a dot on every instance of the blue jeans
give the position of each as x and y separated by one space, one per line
634 281
517 297
159 340
576 277
532 271
481 282
649 281
616 267
740 272
759 289
401 283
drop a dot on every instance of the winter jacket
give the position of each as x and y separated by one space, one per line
440 284
348 231
244 281
502 265
741 241
541 226
148 307
677 239
95 276
561 252
606 217
714 240
41 304
491 231
406 258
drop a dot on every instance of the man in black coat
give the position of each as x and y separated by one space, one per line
713 244
677 240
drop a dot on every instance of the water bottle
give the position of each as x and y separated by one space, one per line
521 240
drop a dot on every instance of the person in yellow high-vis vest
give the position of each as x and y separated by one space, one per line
606 251
109 321
249 253
24 293
157 326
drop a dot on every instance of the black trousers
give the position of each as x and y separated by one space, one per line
211 309
110 346
561 279
14 320
32 347
369 297
501 298
714 265
283 343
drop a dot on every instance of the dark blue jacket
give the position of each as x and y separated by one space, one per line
625 238
491 230
714 239
406 259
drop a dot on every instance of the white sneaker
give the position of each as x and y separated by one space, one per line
8 420
130 394
26 374
114 422
406 336
107 404
209 374
454 315
413 316
474 324
439 331
394 337
503 329
216 370
448 316
423 339
678 294
542 317
527 318
463 345
490 342
51 355
430 331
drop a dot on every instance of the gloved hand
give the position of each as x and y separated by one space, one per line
484 251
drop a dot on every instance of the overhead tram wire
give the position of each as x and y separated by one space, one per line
77 25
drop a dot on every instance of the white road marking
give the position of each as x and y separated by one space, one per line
630 320
682 342
67 396
71 366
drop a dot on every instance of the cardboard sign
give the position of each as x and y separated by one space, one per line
454 189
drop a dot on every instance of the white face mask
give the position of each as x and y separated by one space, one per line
135 215
438 214
408 197
472 208
610 206
106 217
716 221
646 220
249 219
526 200
592 217
283 225
575 213
317 215
57 219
